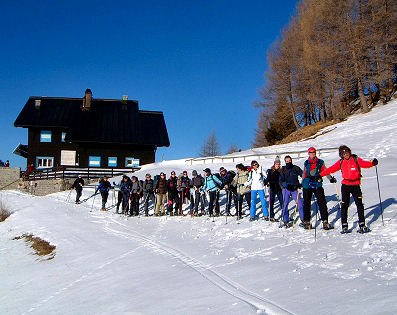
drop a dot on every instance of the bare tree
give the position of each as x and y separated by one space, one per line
233 148
211 146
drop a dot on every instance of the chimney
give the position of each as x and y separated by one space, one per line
87 100
37 104
125 97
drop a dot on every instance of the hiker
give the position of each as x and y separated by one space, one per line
242 190
350 165
104 187
256 181
313 183
211 186
135 195
161 194
172 189
1 163
124 191
230 189
7 163
183 189
273 182
196 196
291 188
78 186
148 193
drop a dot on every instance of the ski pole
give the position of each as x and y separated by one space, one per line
296 209
93 200
380 200
315 221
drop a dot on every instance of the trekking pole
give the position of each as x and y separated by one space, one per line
93 200
315 221
380 200
68 197
296 209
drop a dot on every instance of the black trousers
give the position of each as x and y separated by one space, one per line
173 199
355 191
78 194
272 198
104 195
119 199
240 198
307 202
134 204
214 201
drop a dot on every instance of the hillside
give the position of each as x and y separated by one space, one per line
106 263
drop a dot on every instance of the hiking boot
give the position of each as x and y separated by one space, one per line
327 226
287 225
103 209
252 219
273 219
307 225
266 218
345 230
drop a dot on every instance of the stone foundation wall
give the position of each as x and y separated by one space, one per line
45 186
9 177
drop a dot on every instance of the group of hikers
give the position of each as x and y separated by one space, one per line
246 183
4 164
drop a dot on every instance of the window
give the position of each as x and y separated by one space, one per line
63 136
45 136
112 161
44 162
131 162
94 161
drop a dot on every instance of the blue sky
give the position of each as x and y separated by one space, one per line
200 62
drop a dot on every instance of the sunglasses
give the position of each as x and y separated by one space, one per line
312 152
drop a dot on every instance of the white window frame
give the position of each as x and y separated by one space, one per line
131 162
44 162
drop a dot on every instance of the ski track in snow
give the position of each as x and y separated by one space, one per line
230 287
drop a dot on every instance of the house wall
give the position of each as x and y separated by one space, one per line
9 177
146 154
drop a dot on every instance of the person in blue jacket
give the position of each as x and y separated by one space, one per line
211 185
104 187
125 190
289 182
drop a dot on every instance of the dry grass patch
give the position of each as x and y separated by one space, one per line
4 212
41 247
307 132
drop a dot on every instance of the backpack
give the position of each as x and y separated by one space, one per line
218 177
319 165
233 173
355 158
155 179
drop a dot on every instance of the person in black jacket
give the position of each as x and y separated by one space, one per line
125 190
78 186
148 193
227 180
289 181
197 195
273 182
104 187
172 188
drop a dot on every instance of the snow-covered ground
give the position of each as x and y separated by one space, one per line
107 264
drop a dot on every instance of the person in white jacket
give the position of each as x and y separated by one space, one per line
256 181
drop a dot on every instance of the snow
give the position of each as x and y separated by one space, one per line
106 263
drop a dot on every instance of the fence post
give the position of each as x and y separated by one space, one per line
88 172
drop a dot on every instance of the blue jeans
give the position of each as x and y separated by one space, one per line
294 195
254 200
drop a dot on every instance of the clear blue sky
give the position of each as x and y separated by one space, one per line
200 62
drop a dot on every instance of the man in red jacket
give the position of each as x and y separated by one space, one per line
351 165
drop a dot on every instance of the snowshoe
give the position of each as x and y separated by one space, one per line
345 230
363 229
307 225
273 220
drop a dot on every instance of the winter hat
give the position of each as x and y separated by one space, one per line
311 150
207 170
148 175
194 173
277 160
343 149
222 169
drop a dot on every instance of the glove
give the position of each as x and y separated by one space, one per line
333 180
374 162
